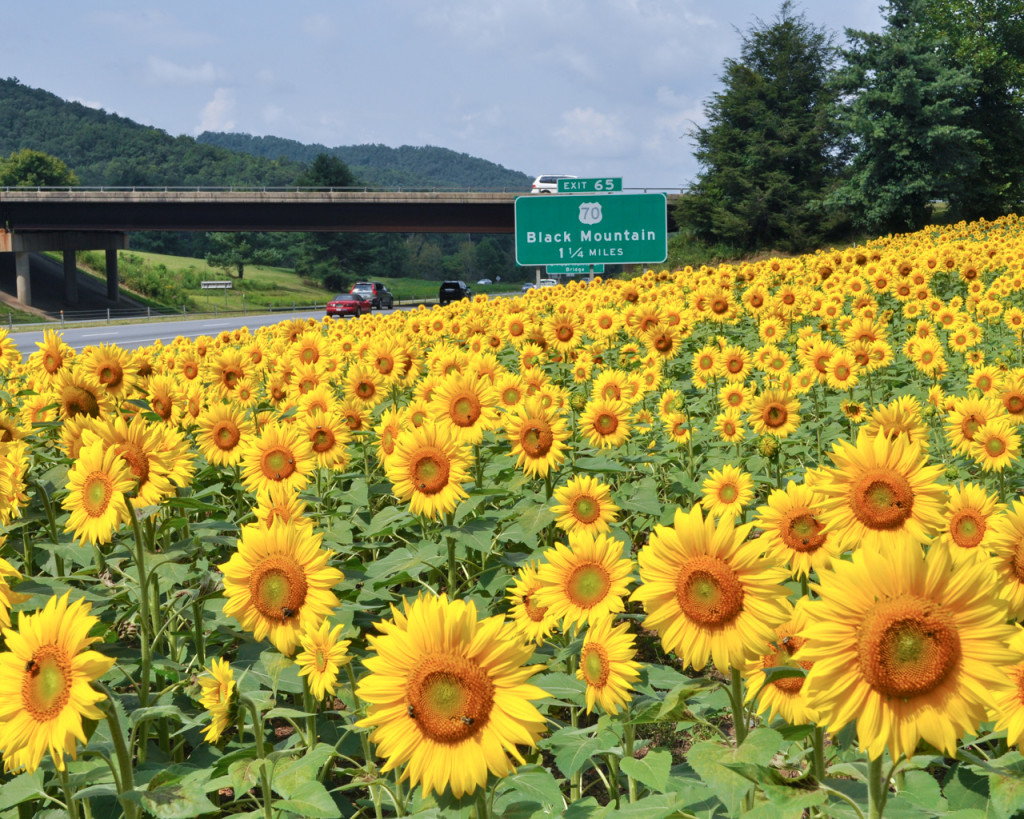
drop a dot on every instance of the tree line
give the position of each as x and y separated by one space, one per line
809 142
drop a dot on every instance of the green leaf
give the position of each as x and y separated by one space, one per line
644 498
706 759
386 521
531 783
182 800
21 789
154 712
1007 793
572 747
652 770
291 775
244 775
561 686
312 800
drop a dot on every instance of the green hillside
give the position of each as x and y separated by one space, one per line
381 166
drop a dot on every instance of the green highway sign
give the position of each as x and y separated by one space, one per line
631 228
573 269
605 184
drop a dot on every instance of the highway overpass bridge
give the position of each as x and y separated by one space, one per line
70 219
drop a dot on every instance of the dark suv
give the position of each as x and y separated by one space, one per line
376 293
453 291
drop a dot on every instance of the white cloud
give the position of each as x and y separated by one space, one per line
173 74
320 27
272 113
591 133
217 113
88 103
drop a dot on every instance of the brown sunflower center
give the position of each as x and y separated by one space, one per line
606 423
79 401
320 660
46 685
465 410
111 375
882 499
995 447
430 471
450 698
226 435
1014 403
728 493
277 463
277 587
774 415
967 528
564 332
588 585
96 493
585 509
536 438
907 646
801 531
533 611
787 647
322 439
970 425
230 377
594 665
709 592
138 461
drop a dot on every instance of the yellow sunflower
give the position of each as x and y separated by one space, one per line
278 583
727 491
794 534
584 505
605 423
880 491
1007 707
537 435
906 648
448 695
585 580
774 412
967 522
1007 546
280 455
607 665
45 684
322 656
996 445
8 597
78 393
467 404
783 697
217 697
708 593
224 431
111 367
97 483
428 468
533 622
328 437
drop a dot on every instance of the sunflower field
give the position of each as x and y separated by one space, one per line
742 540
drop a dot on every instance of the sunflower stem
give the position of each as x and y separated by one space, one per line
126 781
576 783
739 717
69 795
480 810
261 754
309 706
818 760
876 788
367 754
629 732
452 574
197 628
478 467
613 778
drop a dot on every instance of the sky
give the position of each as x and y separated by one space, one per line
592 88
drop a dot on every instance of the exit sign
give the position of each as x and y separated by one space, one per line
631 228
605 184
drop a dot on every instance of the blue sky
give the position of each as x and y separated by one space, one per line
586 87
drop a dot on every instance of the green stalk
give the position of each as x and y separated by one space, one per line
613 777
630 736
876 788
197 627
144 612
575 785
261 754
69 795
309 706
739 717
818 760
126 781
367 754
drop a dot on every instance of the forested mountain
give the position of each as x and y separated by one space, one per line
379 165
107 149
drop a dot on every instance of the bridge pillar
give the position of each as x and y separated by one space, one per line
22 278
70 277
112 282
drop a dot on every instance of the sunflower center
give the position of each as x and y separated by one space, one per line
564 332
277 463
536 438
970 426
230 377
450 698
801 531
322 440
320 660
728 493
111 375
46 686
533 611
1014 403
594 664
606 423
907 646
137 460
788 646
967 528
995 447
588 585
465 410
365 390
226 435
96 493
79 401
775 415
277 587
585 509
708 591
882 499
430 471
